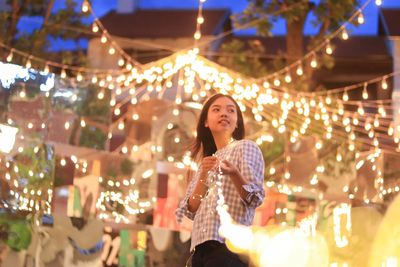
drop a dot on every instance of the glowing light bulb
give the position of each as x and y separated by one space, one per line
85 6
314 62
288 78
345 35
365 92
345 96
200 20
384 84
111 51
95 28
63 74
299 70
328 49
197 35
28 64
10 56
360 18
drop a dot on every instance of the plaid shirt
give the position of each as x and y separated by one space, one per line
247 157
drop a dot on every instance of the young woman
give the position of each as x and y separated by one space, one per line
220 148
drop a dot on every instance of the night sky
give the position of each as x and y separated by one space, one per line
101 7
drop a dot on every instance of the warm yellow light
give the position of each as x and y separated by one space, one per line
103 39
384 84
345 96
197 35
378 2
299 70
345 35
95 28
200 20
85 6
328 49
111 51
10 56
28 64
100 95
360 18
79 77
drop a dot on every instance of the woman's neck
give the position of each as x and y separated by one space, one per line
222 140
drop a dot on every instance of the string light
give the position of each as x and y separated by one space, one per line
384 84
95 28
85 6
360 18
313 62
328 48
10 56
345 35
365 92
299 70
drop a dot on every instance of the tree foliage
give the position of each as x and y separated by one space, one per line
48 23
326 16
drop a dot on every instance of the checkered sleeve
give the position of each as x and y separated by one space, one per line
182 209
251 165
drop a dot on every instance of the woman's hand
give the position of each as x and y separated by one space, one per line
228 168
208 164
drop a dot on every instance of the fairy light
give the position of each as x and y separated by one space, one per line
111 51
360 110
382 111
85 6
299 70
277 82
103 39
345 35
365 92
95 27
10 56
360 18
384 84
328 48
135 116
314 62
28 64
63 74
345 96
79 77
100 95
376 122
121 62
288 78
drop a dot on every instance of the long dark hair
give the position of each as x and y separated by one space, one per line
204 141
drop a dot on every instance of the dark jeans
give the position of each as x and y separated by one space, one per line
215 254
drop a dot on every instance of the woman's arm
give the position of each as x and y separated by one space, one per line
198 194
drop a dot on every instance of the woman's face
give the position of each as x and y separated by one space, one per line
222 116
